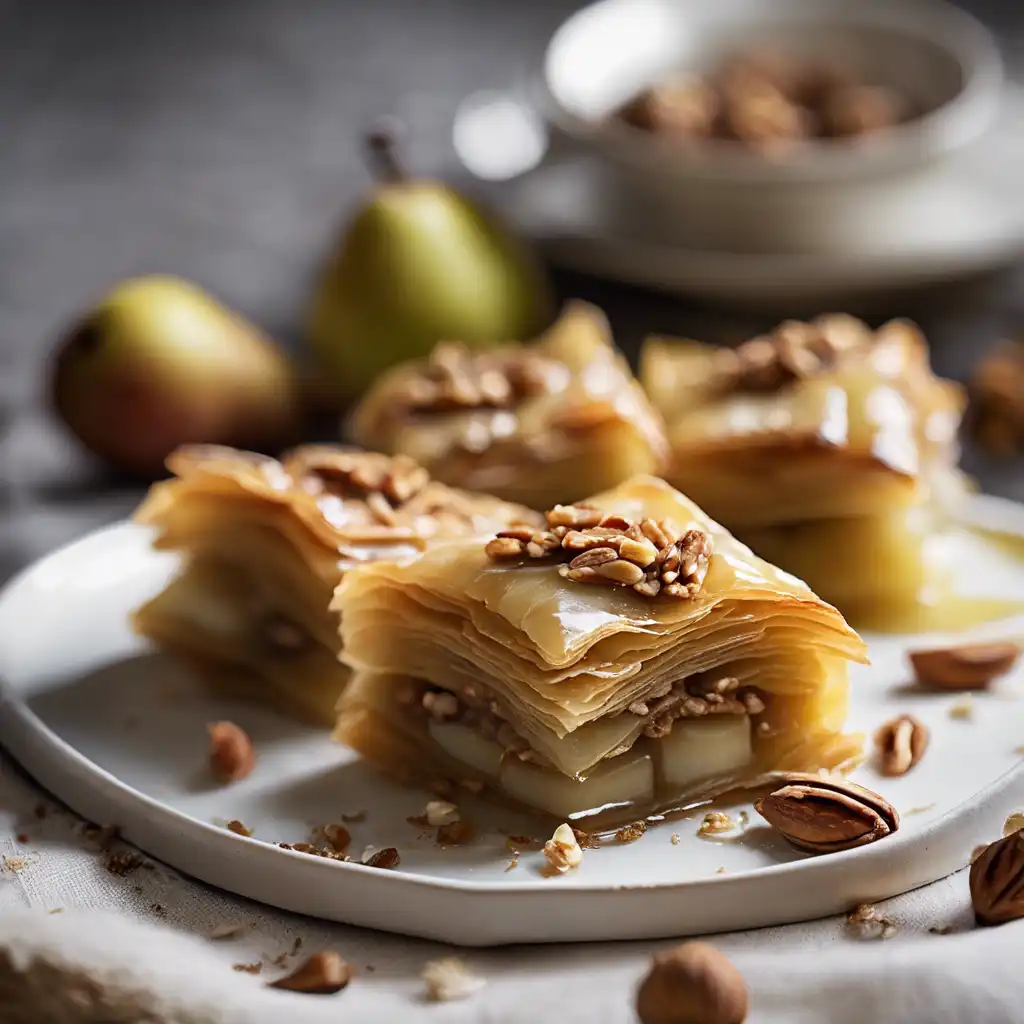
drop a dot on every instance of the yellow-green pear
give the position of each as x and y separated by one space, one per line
420 263
158 363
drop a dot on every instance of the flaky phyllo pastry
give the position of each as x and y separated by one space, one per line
265 543
540 423
829 448
629 657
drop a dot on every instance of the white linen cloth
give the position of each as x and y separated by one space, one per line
80 944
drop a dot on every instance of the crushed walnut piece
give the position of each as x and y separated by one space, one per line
348 472
695 698
562 851
604 548
387 858
632 832
337 837
238 828
865 922
449 979
455 833
715 823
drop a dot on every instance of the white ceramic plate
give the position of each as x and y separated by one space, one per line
118 732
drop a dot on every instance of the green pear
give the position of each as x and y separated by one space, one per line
420 264
159 363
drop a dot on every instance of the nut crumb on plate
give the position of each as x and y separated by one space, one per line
247 968
962 710
322 974
714 823
238 828
440 812
449 979
919 810
631 833
675 839
455 833
562 850
338 837
231 752
386 858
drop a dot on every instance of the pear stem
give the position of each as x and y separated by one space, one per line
382 155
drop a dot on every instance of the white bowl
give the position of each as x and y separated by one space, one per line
722 196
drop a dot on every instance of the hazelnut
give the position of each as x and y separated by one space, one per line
692 984
231 753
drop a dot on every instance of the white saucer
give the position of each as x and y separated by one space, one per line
118 732
839 242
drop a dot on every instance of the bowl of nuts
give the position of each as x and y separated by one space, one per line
747 122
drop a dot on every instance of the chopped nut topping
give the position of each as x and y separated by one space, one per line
349 472
715 823
612 551
690 983
967 667
231 753
631 833
322 974
449 979
695 698
238 828
901 743
456 378
562 850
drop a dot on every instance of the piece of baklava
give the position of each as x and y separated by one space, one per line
626 658
266 542
828 447
541 423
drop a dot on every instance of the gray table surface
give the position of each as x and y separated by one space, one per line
217 140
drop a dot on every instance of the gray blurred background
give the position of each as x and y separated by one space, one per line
217 139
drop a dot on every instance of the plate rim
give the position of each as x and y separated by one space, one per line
26 737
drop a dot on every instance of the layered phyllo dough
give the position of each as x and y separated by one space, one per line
264 543
627 657
539 424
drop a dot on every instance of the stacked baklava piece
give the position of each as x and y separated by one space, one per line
264 543
828 447
628 656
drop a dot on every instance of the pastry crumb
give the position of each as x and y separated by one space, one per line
676 839
238 828
865 922
16 864
56 910
562 850
1014 823
449 979
513 863
124 862
963 709
247 968
441 812
919 810
720 871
